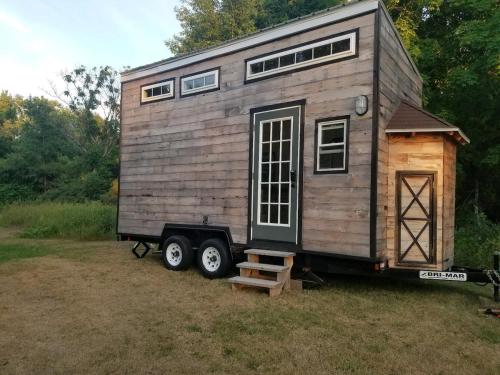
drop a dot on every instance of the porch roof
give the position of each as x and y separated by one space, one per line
409 118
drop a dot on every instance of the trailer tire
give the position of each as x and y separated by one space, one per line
214 259
177 253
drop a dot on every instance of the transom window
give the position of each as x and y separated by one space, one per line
274 176
157 91
314 53
196 83
331 146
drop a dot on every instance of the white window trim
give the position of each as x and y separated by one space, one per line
215 85
321 144
145 99
351 52
259 202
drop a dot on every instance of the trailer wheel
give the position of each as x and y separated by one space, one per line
214 259
177 253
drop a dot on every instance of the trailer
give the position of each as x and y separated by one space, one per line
308 137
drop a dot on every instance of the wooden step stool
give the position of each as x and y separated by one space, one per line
250 271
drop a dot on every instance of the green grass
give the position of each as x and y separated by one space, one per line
84 221
12 251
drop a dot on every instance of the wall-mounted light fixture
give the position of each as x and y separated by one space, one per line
361 105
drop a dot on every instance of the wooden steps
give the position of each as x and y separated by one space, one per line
252 281
270 253
262 267
277 277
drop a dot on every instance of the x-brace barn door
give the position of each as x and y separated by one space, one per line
416 218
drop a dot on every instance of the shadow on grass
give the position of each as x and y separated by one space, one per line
375 284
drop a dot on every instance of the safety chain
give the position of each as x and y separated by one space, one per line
494 276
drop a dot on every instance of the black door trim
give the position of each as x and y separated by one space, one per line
300 181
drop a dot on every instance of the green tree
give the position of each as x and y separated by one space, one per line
10 114
93 97
40 150
460 63
208 22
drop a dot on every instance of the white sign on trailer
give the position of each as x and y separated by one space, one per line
448 276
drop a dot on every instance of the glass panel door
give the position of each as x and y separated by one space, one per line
274 184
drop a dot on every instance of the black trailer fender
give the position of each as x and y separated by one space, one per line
197 234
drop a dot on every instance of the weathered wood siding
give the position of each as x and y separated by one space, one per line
418 153
188 157
449 173
398 80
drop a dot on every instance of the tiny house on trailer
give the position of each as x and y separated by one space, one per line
306 137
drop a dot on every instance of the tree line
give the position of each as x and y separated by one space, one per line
62 149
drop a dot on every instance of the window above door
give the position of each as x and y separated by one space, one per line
304 56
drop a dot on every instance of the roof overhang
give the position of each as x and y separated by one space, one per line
456 133
313 21
408 118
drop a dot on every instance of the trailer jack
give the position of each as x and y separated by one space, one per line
146 246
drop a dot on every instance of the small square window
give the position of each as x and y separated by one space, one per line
331 146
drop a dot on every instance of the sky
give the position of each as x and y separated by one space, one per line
41 38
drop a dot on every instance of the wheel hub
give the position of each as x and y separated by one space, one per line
174 254
211 259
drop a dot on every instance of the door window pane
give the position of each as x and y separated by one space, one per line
265 152
266 130
265 173
276 130
284 214
286 129
275 193
275 172
285 152
263 213
275 153
264 193
274 214
285 192
285 172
